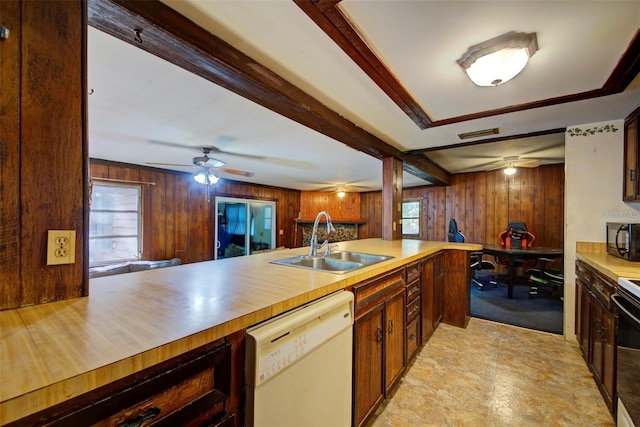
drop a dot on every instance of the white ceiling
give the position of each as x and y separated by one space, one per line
143 109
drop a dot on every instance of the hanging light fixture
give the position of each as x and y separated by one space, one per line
509 170
496 61
205 176
341 191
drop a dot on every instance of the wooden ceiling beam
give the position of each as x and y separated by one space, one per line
171 36
328 16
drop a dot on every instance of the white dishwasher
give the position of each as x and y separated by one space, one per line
298 366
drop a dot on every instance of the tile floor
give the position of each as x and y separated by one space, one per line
491 374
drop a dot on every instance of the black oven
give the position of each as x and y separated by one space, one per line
628 355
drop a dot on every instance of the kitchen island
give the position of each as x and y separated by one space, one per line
51 353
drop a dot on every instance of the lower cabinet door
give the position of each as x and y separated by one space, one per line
438 289
368 387
394 346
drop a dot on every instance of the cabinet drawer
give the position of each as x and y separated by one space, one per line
603 288
413 290
413 335
372 292
188 390
413 309
583 272
413 272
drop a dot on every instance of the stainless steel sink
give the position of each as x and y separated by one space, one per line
337 262
366 259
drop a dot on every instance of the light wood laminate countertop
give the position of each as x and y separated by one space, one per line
611 266
52 352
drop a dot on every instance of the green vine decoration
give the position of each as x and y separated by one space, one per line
592 131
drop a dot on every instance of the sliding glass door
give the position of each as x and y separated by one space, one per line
243 226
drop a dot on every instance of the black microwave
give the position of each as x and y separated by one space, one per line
623 240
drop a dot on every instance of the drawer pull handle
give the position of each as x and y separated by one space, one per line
137 421
390 326
412 337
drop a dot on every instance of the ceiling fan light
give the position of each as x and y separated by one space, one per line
212 178
341 193
200 177
498 60
510 170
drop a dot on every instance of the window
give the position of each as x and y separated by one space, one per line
115 224
411 217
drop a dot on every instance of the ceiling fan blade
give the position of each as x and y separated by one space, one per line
235 172
219 151
166 164
175 145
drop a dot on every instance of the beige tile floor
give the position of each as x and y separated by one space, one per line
491 374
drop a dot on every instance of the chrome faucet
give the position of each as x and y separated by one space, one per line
314 235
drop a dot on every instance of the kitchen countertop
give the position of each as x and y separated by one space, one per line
611 266
52 352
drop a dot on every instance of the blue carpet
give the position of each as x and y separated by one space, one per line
542 313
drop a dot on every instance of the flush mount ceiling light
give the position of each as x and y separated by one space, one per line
496 61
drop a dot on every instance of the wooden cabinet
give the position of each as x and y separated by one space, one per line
379 342
631 180
596 328
433 270
413 309
201 387
394 342
583 314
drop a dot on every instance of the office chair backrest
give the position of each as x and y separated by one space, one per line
516 235
454 234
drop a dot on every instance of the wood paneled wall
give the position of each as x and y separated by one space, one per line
339 208
42 148
178 220
483 203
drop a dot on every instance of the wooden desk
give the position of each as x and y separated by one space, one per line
512 253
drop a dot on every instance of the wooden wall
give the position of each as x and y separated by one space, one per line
483 203
42 148
178 219
339 208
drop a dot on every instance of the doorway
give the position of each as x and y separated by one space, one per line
243 226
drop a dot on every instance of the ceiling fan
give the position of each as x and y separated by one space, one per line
510 163
208 165
342 189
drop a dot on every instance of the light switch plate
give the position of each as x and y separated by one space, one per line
61 247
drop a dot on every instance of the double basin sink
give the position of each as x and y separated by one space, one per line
335 262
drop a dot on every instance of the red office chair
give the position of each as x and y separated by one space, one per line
516 235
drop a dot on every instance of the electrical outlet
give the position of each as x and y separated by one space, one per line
61 247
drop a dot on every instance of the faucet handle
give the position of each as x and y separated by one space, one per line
327 251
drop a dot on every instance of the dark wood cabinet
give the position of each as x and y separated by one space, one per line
413 310
368 361
394 339
379 341
583 315
596 328
433 271
200 387
631 180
